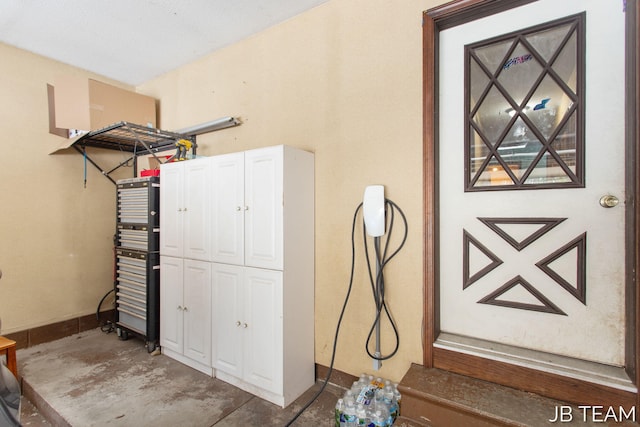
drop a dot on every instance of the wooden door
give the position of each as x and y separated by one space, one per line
534 250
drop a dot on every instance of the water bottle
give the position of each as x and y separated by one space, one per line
379 398
378 420
361 413
370 414
356 388
364 380
397 397
340 413
378 382
366 394
390 402
350 417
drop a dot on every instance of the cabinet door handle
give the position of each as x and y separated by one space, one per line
180 307
185 308
179 209
238 208
238 323
244 325
246 208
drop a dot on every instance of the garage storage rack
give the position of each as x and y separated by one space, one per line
132 139
137 264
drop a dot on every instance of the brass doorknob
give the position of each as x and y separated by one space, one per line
608 201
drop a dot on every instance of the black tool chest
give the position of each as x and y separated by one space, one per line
137 283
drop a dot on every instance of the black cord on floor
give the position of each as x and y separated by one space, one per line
344 306
108 326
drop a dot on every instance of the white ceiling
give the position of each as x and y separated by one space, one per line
133 41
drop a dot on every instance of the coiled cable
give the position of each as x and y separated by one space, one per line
383 260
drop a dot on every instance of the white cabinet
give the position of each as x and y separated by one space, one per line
227 208
185 273
185 189
185 311
250 219
263 271
247 325
262 332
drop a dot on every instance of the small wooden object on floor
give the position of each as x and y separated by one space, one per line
8 347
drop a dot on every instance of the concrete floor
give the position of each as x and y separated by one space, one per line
95 379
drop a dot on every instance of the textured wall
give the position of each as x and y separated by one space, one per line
56 236
344 81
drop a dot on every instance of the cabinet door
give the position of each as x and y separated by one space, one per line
171 205
197 194
197 311
263 341
264 201
171 326
228 318
228 208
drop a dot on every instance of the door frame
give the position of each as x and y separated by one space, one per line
556 386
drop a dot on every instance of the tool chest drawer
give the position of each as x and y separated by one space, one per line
138 201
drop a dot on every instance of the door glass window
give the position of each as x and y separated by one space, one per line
524 109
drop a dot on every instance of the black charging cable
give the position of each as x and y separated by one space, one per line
378 285
383 261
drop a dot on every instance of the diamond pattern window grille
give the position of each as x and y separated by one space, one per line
524 109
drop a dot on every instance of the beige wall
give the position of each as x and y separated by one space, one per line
343 80
56 236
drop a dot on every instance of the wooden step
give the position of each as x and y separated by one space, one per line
440 398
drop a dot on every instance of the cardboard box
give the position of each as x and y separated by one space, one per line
85 104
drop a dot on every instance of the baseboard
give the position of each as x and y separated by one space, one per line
55 331
339 378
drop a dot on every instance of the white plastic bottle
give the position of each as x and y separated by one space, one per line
366 394
397 396
340 412
350 417
390 402
379 398
361 413
378 419
355 389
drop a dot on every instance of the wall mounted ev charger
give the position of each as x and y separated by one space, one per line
373 210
